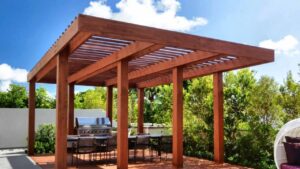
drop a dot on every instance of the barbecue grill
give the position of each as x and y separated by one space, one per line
93 126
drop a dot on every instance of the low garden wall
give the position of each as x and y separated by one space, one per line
14 123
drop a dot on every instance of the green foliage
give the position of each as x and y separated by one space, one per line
158 104
290 98
132 106
198 118
17 97
43 100
45 139
14 97
91 99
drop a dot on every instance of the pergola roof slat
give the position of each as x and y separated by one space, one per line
107 61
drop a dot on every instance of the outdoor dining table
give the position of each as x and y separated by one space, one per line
131 138
71 138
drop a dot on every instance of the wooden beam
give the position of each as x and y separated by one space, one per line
61 111
122 129
218 118
125 52
189 74
191 58
71 109
177 117
48 68
78 40
56 48
31 118
117 29
109 102
104 69
141 95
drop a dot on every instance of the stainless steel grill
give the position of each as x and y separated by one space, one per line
93 126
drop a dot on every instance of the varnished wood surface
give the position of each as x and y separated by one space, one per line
122 118
140 103
177 117
93 41
218 117
61 111
31 118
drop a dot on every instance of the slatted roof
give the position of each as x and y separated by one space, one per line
95 45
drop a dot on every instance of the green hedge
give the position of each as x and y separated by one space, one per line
45 139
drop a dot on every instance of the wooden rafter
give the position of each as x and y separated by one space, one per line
168 65
46 69
189 74
128 51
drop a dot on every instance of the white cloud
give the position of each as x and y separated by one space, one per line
9 75
155 13
287 46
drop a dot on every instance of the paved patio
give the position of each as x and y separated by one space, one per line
16 159
47 162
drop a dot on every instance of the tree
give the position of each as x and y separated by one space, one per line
158 106
91 99
132 106
264 118
198 118
43 100
16 97
290 98
237 91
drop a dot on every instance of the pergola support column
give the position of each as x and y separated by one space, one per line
71 109
109 102
177 118
61 110
31 118
141 95
218 118
122 129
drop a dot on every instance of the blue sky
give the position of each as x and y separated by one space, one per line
29 28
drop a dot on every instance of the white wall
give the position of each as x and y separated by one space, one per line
14 123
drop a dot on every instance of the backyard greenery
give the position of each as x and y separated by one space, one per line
254 111
45 139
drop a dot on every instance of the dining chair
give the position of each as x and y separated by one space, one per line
166 145
85 145
142 142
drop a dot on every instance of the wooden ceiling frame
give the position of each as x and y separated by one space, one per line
167 65
143 41
199 72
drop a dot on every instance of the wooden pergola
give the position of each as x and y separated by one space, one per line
100 52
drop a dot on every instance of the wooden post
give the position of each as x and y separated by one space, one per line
218 118
140 110
61 110
71 109
31 118
109 102
122 130
177 117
